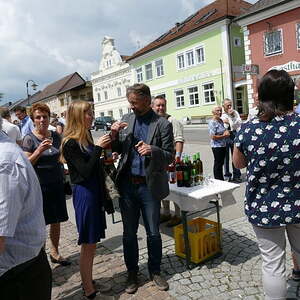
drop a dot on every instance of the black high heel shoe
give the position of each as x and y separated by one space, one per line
62 262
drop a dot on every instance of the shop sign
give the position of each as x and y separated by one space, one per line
288 67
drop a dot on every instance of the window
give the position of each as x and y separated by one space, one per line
273 42
209 95
180 61
179 98
139 74
298 36
190 58
148 70
237 41
99 97
200 55
102 114
159 66
62 102
128 110
110 113
119 91
193 95
105 95
121 112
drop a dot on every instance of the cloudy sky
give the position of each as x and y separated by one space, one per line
46 40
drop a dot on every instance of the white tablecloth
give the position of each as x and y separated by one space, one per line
198 197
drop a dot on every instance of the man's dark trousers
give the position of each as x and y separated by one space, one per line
229 151
31 280
136 199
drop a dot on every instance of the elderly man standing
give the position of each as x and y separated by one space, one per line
232 122
145 142
24 269
25 122
159 105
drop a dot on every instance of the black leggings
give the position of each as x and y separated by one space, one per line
219 156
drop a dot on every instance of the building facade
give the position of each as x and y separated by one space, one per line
197 63
111 81
272 39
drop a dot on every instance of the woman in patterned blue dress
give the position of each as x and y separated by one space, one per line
269 146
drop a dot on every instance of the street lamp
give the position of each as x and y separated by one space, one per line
33 85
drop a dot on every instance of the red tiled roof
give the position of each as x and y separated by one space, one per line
207 15
62 85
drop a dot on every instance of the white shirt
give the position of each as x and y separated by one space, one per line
235 120
21 207
11 130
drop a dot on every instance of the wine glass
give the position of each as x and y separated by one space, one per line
50 139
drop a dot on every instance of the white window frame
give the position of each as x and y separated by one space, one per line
277 52
139 74
105 95
193 93
187 59
178 62
159 68
176 104
298 35
119 91
196 56
203 92
148 70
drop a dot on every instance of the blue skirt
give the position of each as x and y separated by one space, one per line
89 212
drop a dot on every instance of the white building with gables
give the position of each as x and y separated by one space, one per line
110 82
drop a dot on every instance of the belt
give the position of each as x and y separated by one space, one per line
135 179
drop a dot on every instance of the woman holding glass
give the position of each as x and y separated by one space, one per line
83 159
269 146
42 148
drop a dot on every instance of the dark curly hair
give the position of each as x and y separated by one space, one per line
275 94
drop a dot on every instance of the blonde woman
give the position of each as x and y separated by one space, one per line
83 159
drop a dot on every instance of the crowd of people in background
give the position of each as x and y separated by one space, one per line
32 194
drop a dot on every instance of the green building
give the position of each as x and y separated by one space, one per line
197 63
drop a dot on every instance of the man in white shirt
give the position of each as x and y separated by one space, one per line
24 269
232 122
10 129
254 110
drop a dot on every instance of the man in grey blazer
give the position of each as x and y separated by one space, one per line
145 142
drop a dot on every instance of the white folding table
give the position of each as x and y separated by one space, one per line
198 199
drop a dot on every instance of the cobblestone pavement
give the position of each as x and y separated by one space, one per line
234 275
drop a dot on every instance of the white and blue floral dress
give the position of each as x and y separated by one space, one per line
272 150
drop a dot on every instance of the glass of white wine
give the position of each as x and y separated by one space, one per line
50 139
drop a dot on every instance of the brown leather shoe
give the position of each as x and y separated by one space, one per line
160 282
131 283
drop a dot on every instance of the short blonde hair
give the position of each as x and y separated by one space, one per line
75 125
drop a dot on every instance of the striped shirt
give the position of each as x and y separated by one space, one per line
21 208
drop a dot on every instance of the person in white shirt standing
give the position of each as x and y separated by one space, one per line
24 269
10 129
232 122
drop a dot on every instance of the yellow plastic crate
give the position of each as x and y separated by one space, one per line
203 239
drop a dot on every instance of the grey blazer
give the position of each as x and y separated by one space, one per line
160 137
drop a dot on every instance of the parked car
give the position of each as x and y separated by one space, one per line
103 122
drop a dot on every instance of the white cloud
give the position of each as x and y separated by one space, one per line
46 40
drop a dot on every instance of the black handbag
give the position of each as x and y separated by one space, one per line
67 188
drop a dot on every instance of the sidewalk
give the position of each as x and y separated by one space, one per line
234 275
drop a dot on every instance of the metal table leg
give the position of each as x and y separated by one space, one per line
186 239
216 203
